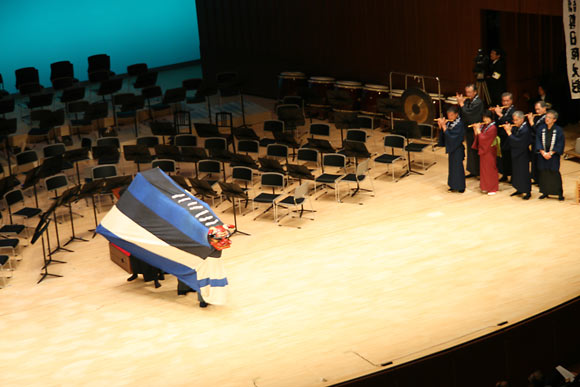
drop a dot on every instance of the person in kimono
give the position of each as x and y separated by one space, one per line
503 115
471 112
550 146
451 136
536 121
519 138
486 145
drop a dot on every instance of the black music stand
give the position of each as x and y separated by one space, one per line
321 145
206 92
55 204
49 167
287 138
139 154
299 172
408 129
241 160
355 149
7 184
108 185
223 156
169 152
203 188
271 165
181 181
89 190
233 191
345 119
163 129
42 228
7 128
75 156
69 197
193 155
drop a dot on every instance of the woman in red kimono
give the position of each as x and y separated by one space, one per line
486 146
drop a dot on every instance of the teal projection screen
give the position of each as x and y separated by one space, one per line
36 33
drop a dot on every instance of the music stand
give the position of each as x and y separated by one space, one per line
299 172
192 154
287 138
233 191
355 149
68 198
137 153
75 156
321 145
55 204
292 118
222 155
203 188
241 160
89 190
49 167
206 92
163 129
169 152
345 119
108 185
39 233
182 181
7 184
7 128
106 154
408 129
270 165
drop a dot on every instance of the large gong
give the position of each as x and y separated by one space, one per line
418 106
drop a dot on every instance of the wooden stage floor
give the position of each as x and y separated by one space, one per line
371 280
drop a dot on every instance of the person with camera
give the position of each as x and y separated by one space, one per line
496 80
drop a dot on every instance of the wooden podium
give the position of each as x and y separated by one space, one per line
120 257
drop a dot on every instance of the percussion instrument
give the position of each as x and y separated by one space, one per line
350 95
418 106
370 95
291 83
318 88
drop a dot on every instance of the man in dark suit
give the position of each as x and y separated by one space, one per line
496 81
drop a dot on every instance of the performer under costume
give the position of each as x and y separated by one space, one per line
168 228
484 143
451 136
504 116
519 137
471 112
550 145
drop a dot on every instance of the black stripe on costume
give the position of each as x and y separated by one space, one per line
149 220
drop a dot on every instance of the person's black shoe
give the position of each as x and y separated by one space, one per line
132 278
470 175
157 284
527 196
503 178
203 304
516 193
450 190
561 198
461 191
543 196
